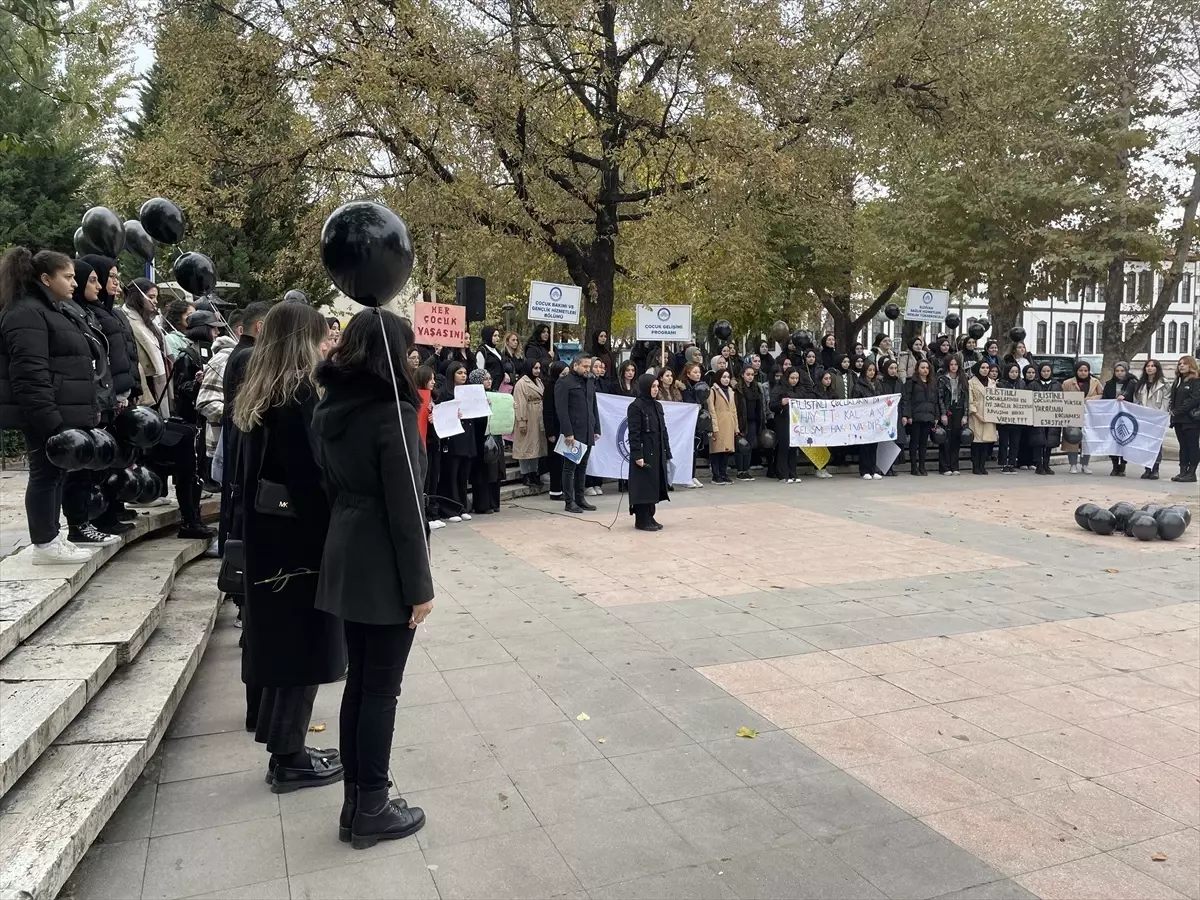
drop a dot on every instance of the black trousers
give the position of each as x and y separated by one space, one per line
719 463
43 492
76 493
1010 445
554 463
573 477
643 513
786 459
948 453
866 458
455 472
179 461
1118 463
433 471
376 655
1189 450
283 718
918 445
979 455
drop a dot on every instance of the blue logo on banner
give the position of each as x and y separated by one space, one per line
663 314
623 439
1124 428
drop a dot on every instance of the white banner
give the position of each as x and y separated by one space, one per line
840 423
926 305
1121 428
664 323
554 302
610 457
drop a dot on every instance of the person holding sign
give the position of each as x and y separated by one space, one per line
1010 435
1082 383
1122 386
952 412
1045 439
983 433
487 466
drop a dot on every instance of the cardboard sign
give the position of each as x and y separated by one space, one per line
926 305
1005 406
440 323
664 323
554 302
1057 409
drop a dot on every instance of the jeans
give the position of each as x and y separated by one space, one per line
720 465
866 459
1075 459
918 445
1189 449
573 477
43 492
283 717
376 655
743 459
1010 443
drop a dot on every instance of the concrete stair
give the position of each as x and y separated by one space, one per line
104 654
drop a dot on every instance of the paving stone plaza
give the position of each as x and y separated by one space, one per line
905 689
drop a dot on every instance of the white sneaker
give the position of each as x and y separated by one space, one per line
1085 470
866 478
59 552
456 519
435 524
947 473
877 476
824 473
1072 470
466 517
696 483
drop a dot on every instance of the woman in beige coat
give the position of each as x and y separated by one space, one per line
722 407
529 432
983 434
1092 389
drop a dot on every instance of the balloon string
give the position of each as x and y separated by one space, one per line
417 493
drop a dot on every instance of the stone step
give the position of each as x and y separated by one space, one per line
30 595
50 677
55 812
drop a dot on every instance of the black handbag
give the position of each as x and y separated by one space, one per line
231 578
271 498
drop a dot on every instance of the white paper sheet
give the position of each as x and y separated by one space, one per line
445 418
473 400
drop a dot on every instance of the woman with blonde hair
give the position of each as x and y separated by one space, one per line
290 647
1185 416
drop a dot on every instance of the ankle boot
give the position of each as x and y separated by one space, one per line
378 818
349 805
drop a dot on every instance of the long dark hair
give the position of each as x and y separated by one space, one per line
21 269
363 350
137 298
1158 369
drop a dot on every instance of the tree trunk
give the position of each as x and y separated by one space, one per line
598 291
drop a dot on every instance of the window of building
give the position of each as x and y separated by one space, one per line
1060 338
1184 346
1130 287
1099 337
1041 337
1172 334
1091 292
1100 289
1185 288
1074 290
1089 338
1160 338
1073 338
1145 286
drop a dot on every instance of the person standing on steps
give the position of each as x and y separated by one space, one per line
952 411
722 408
578 422
529 439
919 413
983 434
47 384
290 647
649 455
1010 435
371 453
554 460
1153 392
1122 386
1185 417
1082 383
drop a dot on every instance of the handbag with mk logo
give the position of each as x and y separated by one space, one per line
271 498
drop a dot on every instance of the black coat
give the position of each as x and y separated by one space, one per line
288 641
89 325
648 441
235 374
375 567
1114 389
781 408
749 401
1046 437
122 349
1185 398
47 381
575 405
863 388
919 400
549 412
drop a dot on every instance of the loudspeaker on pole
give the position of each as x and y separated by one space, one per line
471 291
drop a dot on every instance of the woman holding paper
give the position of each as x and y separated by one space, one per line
1010 435
1044 440
983 433
649 453
864 387
1082 383
487 466
457 452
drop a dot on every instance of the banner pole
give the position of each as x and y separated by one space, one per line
662 357
553 352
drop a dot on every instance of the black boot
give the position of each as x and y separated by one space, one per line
568 489
582 503
377 818
349 805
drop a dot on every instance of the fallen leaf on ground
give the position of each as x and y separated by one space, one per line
583 717
1158 857
319 726
601 740
1112 571
746 732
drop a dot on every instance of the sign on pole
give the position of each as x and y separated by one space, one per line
440 323
664 323
554 302
926 304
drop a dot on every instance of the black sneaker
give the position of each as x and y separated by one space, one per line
111 525
196 531
90 534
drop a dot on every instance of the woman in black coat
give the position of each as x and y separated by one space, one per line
375 573
122 348
538 346
289 645
786 457
649 453
1185 417
866 386
550 423
919 413
1044 440
47 384
953 404
748 397
457 452
1122 386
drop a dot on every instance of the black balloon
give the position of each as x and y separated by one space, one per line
367 252
1171 525
984 324
722 330
892 311
84 247
106 450
125 456
741 444
1016 334
149 485
1122 511
700 389
140 426
966 436
104 230
704 421
938 435
97 503
1152 508
1102 521
162 220
1082 514
976 330
1143 527
1185 512
72 449
766 439
298 296
138 241
124 485
1072 435
195 273
779 332
953 321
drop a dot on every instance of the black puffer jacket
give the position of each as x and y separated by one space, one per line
82 313
864 389
1185 399
919 400
46 373
122 348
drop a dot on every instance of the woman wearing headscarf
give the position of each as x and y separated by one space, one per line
864 388
488 357
448 356
952 412
939 352
122 348
1081 383
786 456
529 438
649 455
551 428
810 369
1010 435
1027 454
1044 440
601 349
538 346
983 433
1153 393
457 452
749 398
909 358
968 350
889 382
767 362
1122 386
722 407
487 466
829 351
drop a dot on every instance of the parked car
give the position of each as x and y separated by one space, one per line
1063 366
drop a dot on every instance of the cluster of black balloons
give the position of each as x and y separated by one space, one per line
1151 521
102 232
136 427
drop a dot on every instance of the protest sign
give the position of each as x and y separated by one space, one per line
610 457
1006 406
1057 409
840 423
503 416
445 418
474 401
554 302
926 305
440 323
664 323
